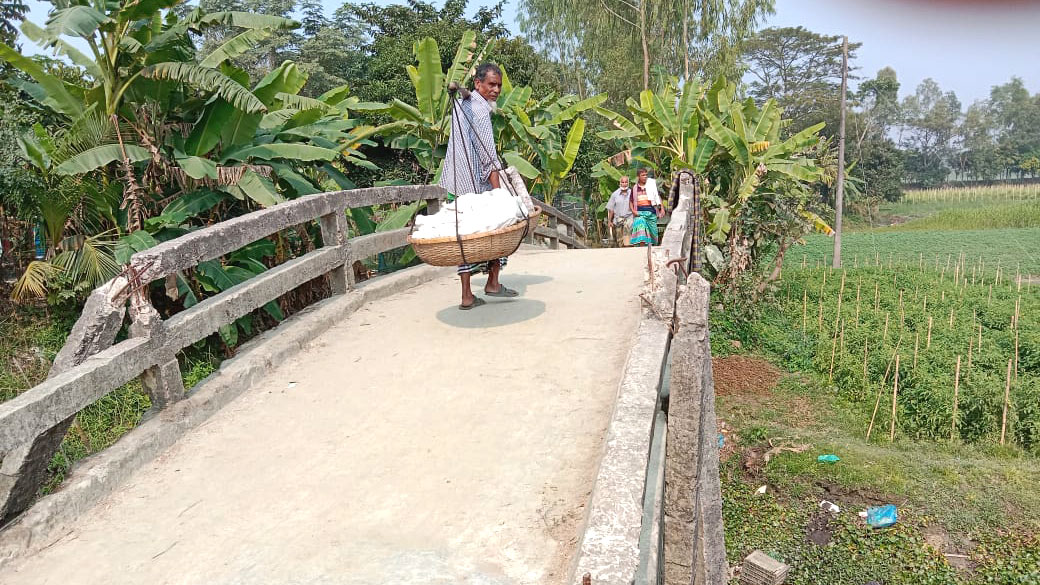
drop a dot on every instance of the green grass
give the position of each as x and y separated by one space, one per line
29 340
978 216
1011 247
986 506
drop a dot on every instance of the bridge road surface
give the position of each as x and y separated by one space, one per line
411 443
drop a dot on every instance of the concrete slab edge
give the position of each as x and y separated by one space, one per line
610 542
51 518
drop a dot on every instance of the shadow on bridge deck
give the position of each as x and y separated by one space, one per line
410 443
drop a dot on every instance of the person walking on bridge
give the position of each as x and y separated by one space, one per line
472 166
619 213
646 207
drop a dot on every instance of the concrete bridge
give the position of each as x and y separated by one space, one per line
382 435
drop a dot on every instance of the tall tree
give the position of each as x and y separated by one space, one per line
930 118
1015 116
801 70
679 36
11 12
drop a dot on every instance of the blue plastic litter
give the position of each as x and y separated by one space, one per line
722 440
882 516
828 459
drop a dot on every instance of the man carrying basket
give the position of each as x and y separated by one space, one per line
472 166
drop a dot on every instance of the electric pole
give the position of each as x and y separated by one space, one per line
839 195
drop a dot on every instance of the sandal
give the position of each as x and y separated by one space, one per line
503 291
477 301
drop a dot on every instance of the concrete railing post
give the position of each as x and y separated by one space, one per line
24 469
334 233
163 381
694 542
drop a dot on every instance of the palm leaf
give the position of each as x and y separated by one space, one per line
573 144
79 21
57 96
292 151
522 165
44 38
299 102
286 78
99 156
463 57
207 80
236 46
428 78
249 20
570 112
32 284
257 188
727 138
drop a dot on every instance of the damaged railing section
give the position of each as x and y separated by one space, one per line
89 366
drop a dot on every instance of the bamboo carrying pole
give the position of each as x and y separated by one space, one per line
895 394
1007 396
956 389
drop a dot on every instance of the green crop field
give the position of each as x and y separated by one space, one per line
954 280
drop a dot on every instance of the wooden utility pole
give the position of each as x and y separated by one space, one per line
840 192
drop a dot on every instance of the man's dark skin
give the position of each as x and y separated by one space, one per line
489 89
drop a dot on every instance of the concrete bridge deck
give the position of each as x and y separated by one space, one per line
411 443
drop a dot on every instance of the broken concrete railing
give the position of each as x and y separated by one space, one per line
89 366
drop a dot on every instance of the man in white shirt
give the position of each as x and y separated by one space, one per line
619 213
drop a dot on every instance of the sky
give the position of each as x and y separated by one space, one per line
966 46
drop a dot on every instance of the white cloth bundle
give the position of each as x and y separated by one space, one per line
477 213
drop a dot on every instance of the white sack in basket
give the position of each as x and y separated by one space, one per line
478 212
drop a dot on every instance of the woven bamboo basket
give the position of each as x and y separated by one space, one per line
478 247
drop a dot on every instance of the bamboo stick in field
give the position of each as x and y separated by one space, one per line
803 261
877 298
924 308
856 265
857 304
917 344
881 389
1007 396
825 271
948 258
1018 276
971 341
834 348
937 263
942 276
1016 356
895 394
884 336
865 341
819 319
956 389
951 317
920 261
902 313
989 299
973 275
841 346
805 305
928 343
979 346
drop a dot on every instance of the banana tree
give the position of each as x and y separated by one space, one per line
757 199
423 127
530 133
